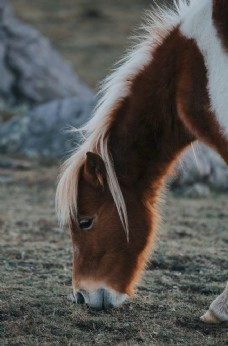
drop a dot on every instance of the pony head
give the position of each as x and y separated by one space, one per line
106 262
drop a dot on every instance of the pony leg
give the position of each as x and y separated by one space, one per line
218 310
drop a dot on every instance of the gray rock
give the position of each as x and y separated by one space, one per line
41 133
201 165
7 77
197 191
8 110
35 77
31 70
6 180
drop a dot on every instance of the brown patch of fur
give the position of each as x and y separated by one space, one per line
220 18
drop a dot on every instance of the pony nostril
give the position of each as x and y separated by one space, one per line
79 298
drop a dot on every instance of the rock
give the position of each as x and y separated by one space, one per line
197 191
6 180
8 111
41 132
31 69
219 176
201 165
7 80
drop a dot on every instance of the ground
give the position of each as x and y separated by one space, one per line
187 270
189 266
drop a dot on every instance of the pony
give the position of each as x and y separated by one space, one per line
170 90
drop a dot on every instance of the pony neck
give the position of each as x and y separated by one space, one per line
147 134
145 143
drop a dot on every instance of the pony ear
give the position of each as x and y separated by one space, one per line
94 169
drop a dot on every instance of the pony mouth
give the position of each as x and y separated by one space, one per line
101 299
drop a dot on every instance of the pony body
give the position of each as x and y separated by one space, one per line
169 91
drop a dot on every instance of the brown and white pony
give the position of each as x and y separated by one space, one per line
170 90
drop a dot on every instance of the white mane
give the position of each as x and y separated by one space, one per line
115 88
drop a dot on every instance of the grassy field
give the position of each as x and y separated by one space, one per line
187 270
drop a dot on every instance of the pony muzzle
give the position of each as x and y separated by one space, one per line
101 299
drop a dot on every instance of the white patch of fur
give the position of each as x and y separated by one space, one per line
115 88
218 311
199 26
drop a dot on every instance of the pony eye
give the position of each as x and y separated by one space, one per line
86 222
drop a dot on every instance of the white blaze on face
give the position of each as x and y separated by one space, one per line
198 25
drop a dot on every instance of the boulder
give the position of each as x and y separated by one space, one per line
199 164
40 95
42 133
32 71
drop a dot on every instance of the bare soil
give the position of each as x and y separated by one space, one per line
189 266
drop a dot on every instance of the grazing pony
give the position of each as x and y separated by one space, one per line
170 90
